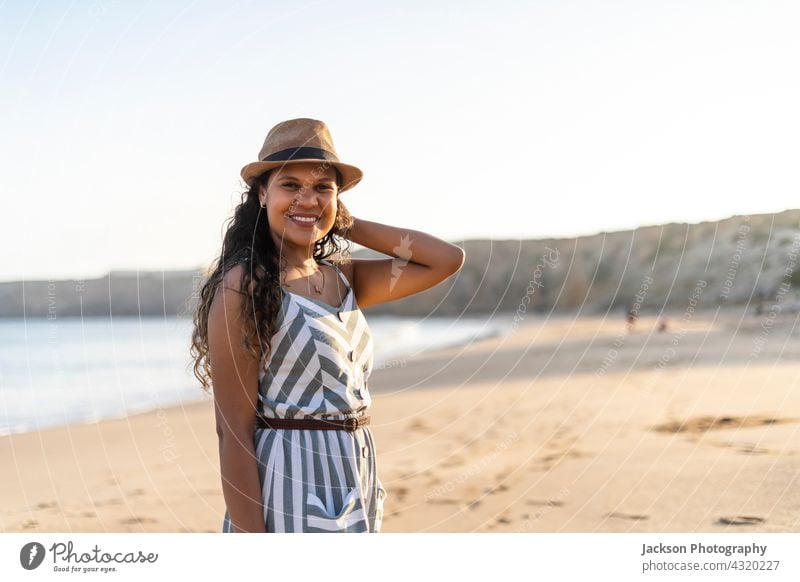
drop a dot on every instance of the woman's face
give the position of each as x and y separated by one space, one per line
301 201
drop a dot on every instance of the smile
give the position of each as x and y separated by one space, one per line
304 220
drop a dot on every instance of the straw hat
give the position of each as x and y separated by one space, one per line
300 140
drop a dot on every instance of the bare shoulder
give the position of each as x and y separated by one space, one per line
233 279
227 297
226 306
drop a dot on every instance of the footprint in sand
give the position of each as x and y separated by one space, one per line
498 489
547 502
419 425
454 462
136 520
740 520
400 492
701 424
751 449
547 462
444 501
29 524
501 476
47 505
629 516
81 514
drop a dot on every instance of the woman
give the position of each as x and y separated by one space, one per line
281 337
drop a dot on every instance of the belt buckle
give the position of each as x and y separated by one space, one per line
351 424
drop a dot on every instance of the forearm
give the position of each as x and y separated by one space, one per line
241 486
411 245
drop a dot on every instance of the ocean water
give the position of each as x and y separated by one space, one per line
77 370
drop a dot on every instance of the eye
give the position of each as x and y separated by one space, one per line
290 185
325 187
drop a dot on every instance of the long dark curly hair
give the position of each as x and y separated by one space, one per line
248 242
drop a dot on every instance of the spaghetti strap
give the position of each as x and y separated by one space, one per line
338 270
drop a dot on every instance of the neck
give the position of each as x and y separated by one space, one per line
294 256
304 264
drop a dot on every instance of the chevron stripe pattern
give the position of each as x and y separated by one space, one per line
318 480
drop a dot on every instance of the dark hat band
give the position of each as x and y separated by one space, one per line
301 153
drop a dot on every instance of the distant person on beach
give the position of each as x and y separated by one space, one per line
280 336
631 317
662 324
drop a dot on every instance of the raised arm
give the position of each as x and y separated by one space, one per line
234 376
420 262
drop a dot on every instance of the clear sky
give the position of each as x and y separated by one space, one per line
124 124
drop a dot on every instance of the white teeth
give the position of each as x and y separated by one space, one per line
304 219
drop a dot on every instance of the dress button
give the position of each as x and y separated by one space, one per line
350 355
365 451
339 315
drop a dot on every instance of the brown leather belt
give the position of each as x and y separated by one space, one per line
348 424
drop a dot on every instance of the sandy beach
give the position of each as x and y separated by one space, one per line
566 424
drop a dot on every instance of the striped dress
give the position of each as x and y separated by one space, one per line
318 480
